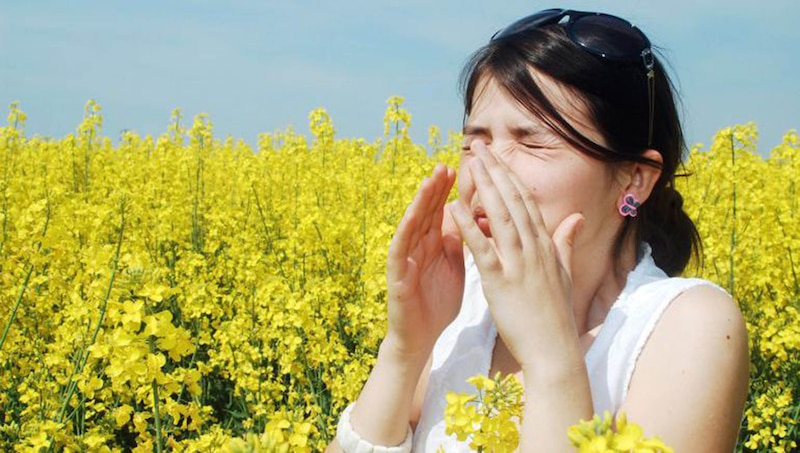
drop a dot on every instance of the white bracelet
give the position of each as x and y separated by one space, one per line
351 442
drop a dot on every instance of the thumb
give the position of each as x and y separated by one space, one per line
564 239
449 226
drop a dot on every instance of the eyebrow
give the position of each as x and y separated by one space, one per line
526 131
475 130
516 131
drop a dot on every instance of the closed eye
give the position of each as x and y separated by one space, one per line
540 142
536 146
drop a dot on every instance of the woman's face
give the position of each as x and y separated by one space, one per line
562 179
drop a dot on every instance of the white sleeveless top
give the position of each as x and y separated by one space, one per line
465 347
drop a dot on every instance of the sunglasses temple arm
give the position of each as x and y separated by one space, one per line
648 60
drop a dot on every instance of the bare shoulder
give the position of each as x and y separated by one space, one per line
690 382
704 312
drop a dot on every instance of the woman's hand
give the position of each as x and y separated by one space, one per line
525 273
425 271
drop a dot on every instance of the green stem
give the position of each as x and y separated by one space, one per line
263 218
16 306
157 415
5 217
74 413
197 221
191 363
71 385
27 276
794 426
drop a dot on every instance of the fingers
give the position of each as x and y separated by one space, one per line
537 226
436 199
508 204
448 179
423 214
564 240
485 256
449 226
515 218
401 241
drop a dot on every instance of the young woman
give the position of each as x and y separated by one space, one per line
574 236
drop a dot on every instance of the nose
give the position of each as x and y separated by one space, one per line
479 142
483 145
500 149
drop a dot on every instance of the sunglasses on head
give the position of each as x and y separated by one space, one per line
606 36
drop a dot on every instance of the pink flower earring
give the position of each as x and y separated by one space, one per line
630 206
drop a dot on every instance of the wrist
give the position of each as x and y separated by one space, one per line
549 376
392 351
549 380
351 441
555 366
385 404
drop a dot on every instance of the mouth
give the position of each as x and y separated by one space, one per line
479 215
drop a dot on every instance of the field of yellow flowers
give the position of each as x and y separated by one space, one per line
185 292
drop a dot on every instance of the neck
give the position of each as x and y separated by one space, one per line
598 280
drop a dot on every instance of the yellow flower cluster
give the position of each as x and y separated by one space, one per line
280 436
747 210
769 419
488 419
184 292
610 435
180 291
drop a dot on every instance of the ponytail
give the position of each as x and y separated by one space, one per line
664 225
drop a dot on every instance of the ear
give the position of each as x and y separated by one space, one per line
639 178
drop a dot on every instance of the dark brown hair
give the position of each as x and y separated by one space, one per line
615 95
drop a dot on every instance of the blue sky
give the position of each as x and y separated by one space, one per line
262 66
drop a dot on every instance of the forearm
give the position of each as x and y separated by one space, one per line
383 409
557 397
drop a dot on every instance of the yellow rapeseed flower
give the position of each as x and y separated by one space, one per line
250 282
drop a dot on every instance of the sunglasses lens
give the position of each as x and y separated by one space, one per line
535 20
609 36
